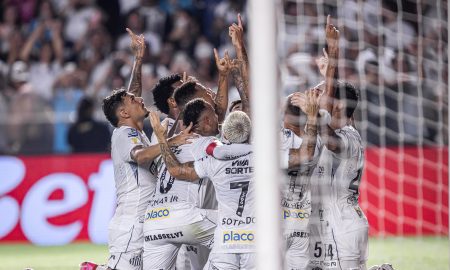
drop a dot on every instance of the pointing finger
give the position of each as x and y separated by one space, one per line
216 55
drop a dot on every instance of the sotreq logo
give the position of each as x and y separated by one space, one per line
238 237
156 214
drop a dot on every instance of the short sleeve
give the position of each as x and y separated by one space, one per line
128 139
351 142
202 167
200 145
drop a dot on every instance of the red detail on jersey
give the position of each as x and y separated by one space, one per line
210 148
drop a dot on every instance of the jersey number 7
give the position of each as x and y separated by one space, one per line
244 186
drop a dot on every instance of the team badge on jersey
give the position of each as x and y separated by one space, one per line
132 132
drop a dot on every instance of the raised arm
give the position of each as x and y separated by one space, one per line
35 35
221 100
236 32
241 74
180 171
57 41
241 85
138 48
305 153
332 38
327 133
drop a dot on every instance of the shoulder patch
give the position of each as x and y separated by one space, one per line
132 132
287 133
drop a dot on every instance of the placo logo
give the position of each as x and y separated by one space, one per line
238 237
158 213
295 214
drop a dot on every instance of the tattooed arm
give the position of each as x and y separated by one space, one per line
305 153
241 85
236 32
180 171
138 48
221 100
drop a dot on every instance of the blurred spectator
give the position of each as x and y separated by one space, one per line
87 134
70 49
30 116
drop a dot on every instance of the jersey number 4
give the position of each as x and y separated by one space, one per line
244 186
354 184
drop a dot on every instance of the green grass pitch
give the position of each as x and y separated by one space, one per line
403 253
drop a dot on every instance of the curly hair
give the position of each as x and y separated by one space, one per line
164 90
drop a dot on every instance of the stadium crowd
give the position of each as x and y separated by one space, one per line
54 54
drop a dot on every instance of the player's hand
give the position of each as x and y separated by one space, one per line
137 43
322 63
184 137
160 130
236 32
312 103
299 100
223 64
331 36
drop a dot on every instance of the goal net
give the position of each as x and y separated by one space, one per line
396 53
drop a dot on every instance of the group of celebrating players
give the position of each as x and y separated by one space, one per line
185 197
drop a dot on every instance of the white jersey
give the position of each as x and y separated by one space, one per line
233 182
207 196
134 183
296 193
343 211
176 202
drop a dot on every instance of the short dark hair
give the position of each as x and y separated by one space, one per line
193 111
346 90
164 90
233 104
111 103
291 109
184 93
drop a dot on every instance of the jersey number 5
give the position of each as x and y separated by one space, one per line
244 186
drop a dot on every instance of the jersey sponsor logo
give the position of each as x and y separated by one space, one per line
156 214
240 163
132 132
295 214
238 222
244 170
161 236
238 237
